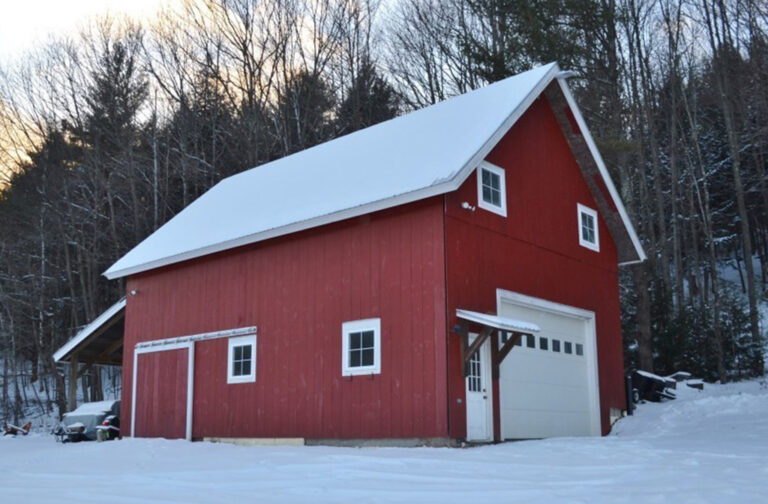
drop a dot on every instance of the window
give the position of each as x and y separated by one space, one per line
491 188
504 337
568 347
543 344
588 231
531 341
555 345
361 347
241 366
475 378
579 349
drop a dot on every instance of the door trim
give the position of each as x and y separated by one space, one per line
590 343
485 369
190 347
180 342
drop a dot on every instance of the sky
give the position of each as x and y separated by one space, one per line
26 23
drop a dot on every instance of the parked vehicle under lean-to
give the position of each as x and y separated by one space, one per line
90 421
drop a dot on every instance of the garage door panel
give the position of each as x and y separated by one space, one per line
543 424
533 396
544 393
560 324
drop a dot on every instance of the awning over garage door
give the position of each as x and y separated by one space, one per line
489 325
497 322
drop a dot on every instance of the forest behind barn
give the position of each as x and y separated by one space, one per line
106 135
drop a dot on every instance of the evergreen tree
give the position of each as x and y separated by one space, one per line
116 92
369 100
303 112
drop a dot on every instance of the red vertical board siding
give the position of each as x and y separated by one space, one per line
161 394
534 250
298 290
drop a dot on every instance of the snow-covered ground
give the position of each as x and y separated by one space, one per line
709 446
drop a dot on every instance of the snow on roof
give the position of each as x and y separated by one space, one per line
503 323
88 330
92 408
393 162
428 152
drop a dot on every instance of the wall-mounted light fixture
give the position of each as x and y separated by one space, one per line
467 206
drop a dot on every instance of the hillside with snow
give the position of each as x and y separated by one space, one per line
709 446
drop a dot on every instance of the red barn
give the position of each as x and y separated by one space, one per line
450 274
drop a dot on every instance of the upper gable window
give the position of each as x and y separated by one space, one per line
361 347
588 231
491 189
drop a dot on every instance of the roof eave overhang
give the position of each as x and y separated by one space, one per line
83 336
401 199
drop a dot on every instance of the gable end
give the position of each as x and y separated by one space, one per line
593 170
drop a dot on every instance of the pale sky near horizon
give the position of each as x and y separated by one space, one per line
27 23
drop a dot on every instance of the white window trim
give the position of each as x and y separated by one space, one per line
593 213
373 324
501 210
236 342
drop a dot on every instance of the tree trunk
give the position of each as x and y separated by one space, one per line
644 335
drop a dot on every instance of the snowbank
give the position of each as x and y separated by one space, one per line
707 446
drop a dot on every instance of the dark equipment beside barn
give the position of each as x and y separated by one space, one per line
650 387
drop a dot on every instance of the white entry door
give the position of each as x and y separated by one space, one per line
479 394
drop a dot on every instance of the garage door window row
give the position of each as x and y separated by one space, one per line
556 345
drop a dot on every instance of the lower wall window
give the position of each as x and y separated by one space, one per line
241 359
361 347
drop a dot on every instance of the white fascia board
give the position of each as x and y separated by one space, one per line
603 172
401 199
88 330
295 227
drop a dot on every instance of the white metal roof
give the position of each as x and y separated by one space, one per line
503 323
88 330
427 152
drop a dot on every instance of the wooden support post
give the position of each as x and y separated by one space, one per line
495 362
495 397
72 388
463 333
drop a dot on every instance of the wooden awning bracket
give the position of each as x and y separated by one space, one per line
470 349
497 354
502 353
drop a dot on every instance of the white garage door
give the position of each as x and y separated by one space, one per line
548 384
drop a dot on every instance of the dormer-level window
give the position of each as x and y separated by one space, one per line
588 232
491 189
